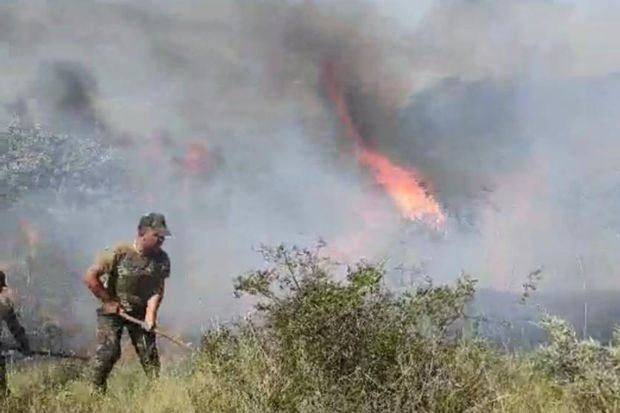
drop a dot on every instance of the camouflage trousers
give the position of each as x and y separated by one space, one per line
109 332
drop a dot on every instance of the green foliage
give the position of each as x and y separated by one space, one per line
326 338
372 347
586 370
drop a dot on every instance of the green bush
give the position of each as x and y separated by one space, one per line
353 341
586 370
326 338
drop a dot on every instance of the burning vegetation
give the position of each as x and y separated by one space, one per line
234 95
405 189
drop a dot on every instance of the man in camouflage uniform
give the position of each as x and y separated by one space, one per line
130 278
7 313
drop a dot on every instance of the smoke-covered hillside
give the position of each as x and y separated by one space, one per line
220 115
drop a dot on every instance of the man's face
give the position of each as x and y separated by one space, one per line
152 240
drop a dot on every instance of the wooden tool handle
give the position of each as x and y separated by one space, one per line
155 330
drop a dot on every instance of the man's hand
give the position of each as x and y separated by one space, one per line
112 307
149 322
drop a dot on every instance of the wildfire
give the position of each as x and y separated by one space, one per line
400 184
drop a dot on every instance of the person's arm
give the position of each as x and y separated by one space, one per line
92 279
152 307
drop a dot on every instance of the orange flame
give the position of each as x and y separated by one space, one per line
401 184
402 187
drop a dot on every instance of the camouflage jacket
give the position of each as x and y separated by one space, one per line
132 278
7 313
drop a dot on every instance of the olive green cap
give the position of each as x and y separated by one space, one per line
155 221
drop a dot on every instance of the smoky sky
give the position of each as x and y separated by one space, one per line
507 111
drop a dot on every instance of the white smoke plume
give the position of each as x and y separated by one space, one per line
507 110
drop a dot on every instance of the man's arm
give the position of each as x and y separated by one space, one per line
152 306
92 279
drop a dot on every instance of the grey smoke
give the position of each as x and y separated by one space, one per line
504 109
67 90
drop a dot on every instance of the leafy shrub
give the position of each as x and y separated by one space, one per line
325 340
586 370
353 341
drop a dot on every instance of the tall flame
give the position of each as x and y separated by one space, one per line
401 184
